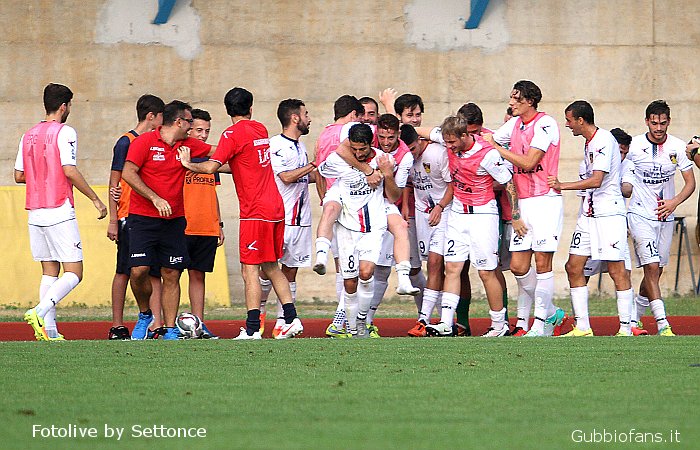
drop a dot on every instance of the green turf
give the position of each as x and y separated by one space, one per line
391 307
322 394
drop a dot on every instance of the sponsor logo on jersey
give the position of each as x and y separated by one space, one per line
158 157
674 158
251 246
426 167
176 259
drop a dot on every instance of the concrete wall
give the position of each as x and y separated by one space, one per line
618 55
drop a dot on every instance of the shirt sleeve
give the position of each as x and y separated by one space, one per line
436 135
545 134
121 148
198 149
224 150
502 135
137 152
445 166
281 160
333 166
19 161
684 164
603 154
627 175
403 170
67 141
496 167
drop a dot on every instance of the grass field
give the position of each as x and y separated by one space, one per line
350 394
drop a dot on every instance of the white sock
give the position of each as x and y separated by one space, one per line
545 290
381 282
526 295
659 312
280 310
449 305
339 317
351 309
625 300
266 286
339 287
293 288
365 291
430 297
498 319
50 317
323 246
56 292
579 303
642 304
403 268
418 280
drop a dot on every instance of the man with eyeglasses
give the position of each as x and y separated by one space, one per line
156 211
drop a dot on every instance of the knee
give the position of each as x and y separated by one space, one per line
366 273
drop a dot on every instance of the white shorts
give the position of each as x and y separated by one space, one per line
504 254
60 242
594 267
386 254
332 195
354 247
414 255
473 237
544 217
297 246
601 238
430 239
652 239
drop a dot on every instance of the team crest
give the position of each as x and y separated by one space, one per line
673 157
426 166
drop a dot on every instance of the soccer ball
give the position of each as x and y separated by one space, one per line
190 326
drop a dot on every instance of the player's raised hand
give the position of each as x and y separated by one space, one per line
387 98
184 153
488 137
385 164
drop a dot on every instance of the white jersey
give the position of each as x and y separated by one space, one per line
287 154
654 168
627 175
403 169
430 175
602 153
363 207
67 141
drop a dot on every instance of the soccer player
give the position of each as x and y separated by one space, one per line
47 163
533 140
245 147
472 224
371 113
293 173
432 185
156 212
362 222
149 112
655 156
601 228
205 229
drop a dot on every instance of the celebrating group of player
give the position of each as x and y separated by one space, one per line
394 193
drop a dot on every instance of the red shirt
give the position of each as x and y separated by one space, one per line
246 148
161 170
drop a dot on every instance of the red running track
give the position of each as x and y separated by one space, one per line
602 326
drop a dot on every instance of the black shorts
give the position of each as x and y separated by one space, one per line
157 242
123 267
202 251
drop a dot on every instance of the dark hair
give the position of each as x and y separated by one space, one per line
345 105
529 91
407 101
509 111
361 133
388 122
471 113
408 134
365 100
581 109
658 108
238 102
173 110
201 115
621 136
286 108
148 103
55 95
454 126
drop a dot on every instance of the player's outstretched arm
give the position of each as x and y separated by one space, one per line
77 180
526 162
208 166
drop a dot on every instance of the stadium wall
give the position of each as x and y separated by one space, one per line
617 55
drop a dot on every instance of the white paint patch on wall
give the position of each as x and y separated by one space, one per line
439 25
129 21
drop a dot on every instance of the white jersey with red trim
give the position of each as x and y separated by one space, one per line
602 153
430 175
654 168
288 154
363 207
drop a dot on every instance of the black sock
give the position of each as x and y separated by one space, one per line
252 322
148 312
463 312
290 312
